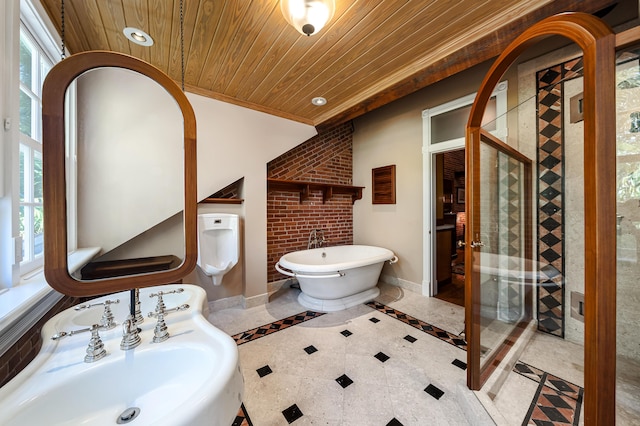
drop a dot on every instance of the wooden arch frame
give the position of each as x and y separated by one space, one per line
597 41
54 183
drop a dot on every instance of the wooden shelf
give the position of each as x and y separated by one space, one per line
305 188
222 200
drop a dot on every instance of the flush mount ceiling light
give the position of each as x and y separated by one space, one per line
308 17
319 101
138 36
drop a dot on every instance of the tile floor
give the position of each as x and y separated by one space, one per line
397 361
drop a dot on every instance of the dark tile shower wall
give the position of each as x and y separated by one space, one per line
550 179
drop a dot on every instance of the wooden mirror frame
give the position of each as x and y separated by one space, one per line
597 41
54 183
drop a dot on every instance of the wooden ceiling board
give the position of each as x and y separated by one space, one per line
136 14
113 20
260 44
226 67
364 63
346 32
298 63
161 25
208 23
370 53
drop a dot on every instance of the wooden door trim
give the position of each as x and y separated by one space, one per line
597 41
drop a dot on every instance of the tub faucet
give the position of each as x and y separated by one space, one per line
316 239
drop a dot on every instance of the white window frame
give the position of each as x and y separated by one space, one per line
429 151
30 147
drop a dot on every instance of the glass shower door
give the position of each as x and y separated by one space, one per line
501 264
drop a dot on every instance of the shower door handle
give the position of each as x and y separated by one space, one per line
475 244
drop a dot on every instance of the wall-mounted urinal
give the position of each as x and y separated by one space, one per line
218 244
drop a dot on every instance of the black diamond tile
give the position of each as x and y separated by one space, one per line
550 255
409 338
292 413
523 368
459 342
550 209
344 381
561 385
310 349
263 371
557 401
548 325
550 287
550 162
442 334
550 146
549 131
434 391
550 302
549 115
550 224
460 364
549 177
381 357
550 193
554 415
549 76
394 422
374 320
346 333
550 239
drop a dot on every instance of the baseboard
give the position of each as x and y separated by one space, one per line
226 303
253 301
399 282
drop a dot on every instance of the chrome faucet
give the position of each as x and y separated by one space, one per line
160 332
107 322
95 350
316 239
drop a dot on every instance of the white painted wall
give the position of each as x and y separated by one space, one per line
393 135
233 143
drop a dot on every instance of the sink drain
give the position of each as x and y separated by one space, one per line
128 415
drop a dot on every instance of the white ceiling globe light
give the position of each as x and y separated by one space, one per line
308 17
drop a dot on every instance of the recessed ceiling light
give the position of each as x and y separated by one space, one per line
138 36
319 101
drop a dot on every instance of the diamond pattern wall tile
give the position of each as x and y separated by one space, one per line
550 156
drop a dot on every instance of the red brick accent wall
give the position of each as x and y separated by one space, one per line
327 158
27 347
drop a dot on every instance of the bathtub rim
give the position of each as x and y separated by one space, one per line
306 268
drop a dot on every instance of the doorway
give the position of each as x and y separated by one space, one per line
444 217
449 201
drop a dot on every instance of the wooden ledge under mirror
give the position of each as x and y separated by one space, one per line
135 135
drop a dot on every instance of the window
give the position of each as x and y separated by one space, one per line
34 66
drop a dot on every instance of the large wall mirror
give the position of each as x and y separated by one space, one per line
119 159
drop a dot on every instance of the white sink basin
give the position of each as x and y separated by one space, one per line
193 378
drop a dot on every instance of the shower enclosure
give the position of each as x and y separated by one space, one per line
500 230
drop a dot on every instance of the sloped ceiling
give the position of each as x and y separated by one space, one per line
371 53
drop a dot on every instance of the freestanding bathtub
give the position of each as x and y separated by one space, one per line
337 277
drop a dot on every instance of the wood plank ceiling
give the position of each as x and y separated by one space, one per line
371 52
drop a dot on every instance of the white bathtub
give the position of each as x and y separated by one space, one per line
337 277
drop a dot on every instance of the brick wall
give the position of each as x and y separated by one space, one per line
326 158
27 347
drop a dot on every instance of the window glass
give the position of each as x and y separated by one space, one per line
34 65
25 114
26 60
